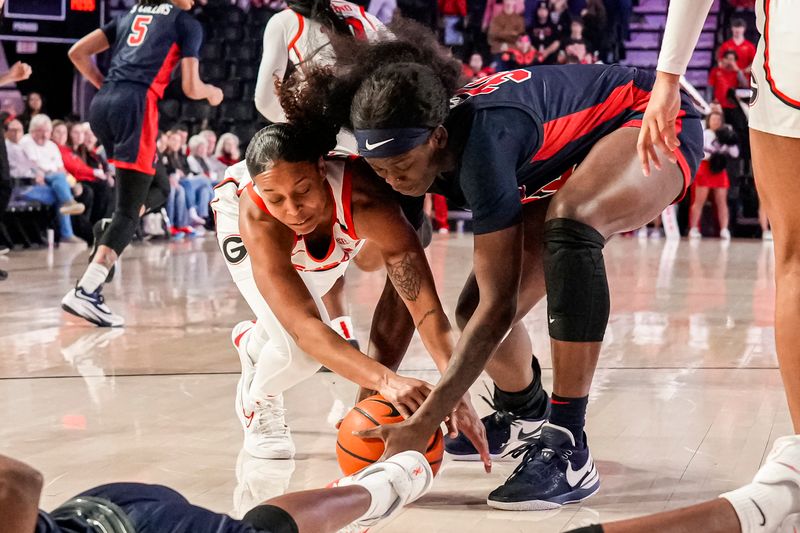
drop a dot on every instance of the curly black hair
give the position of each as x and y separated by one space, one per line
286 142
403 78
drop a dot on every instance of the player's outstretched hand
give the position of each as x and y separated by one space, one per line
658 124
465 419
400 437
216 96
19 71
407 394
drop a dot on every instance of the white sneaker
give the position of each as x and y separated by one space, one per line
266 435
258 480
694 233
767 236
90 307
410 477
239 337
725 234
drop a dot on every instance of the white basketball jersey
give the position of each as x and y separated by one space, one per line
318 272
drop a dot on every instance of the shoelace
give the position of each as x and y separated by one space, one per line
271 419
502 416
537 450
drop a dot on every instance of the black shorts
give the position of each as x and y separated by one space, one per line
124 116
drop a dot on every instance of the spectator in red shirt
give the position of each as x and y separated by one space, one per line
725 78
521 55
475 68
745 50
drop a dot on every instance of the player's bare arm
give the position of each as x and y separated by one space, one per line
270 244
81 56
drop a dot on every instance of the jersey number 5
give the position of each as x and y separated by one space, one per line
139 29
489 84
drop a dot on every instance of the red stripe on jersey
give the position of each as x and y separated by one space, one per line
364 14
161 80
786 99
251 192
226 181
561 131
296 38
146 158
347 199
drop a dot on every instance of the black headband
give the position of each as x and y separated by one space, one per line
390 142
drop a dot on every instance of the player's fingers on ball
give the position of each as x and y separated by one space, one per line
375 433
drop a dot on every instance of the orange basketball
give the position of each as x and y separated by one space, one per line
354 453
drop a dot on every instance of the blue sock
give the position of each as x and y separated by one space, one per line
570 413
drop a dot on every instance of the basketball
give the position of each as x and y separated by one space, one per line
354 453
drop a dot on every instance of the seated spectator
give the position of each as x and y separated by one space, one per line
177 210
227 150
215 164
495 7
595 25
745 50
560 16
505 28
49 169
475 69
520 56
199 160
719 146
95 155
383 10
34 105
73 153
575 31
198 187
545 37
577 53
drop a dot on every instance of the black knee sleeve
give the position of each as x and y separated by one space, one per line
578 302
132 192
159 190
271 519
589 529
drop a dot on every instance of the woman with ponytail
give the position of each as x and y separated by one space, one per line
289 220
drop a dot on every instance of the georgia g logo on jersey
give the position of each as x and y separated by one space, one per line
233 249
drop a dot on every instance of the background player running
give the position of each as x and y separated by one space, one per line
147 44
505 150
287 234
297 38
353 504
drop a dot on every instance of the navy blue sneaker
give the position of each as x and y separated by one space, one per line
552 473
503 428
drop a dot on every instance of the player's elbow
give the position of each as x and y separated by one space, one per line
76 54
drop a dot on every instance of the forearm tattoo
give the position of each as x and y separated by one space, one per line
405 277
425 316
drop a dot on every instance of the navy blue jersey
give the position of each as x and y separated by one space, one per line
520 132
150 509
148 42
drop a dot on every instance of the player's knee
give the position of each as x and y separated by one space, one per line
121 230
271 518
585 211
578 302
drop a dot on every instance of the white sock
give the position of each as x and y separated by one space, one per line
382 493
256 341
94 276
343 325
761 507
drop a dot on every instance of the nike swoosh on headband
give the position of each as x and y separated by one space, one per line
376 145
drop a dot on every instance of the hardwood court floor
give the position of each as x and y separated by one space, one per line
686 401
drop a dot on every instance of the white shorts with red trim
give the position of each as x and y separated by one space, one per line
775 107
